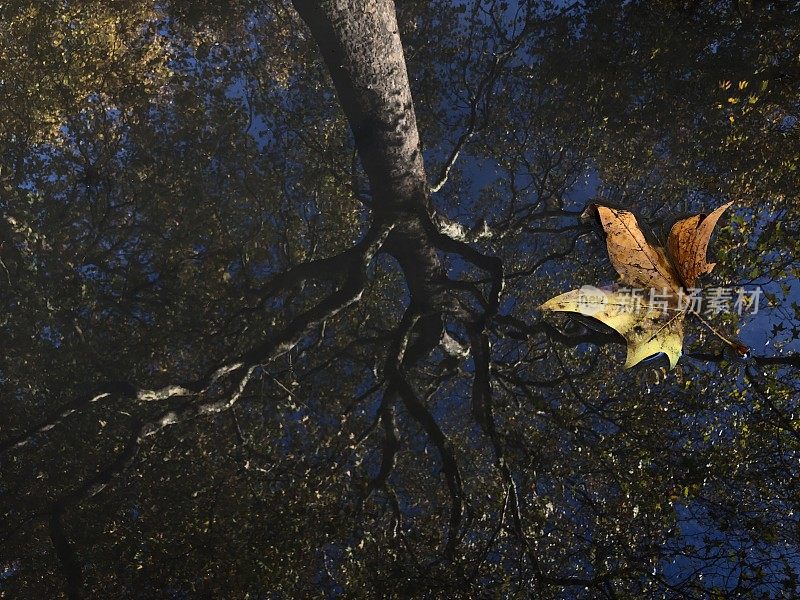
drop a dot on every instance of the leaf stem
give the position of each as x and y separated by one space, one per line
740 348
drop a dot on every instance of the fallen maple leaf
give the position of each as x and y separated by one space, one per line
649 327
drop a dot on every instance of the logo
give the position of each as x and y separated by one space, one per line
591 300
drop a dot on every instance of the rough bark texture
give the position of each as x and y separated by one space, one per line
361 46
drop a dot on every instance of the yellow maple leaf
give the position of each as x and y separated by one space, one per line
652 322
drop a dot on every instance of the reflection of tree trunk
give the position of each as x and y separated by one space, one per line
361 46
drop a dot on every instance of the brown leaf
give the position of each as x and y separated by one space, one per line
640 264
688 242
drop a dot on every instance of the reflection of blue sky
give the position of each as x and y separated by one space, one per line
724 559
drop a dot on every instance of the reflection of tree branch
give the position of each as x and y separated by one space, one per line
490 264
422 415
483 412
519 327
785 423
402 355
277 344
554 256
483 91
391 437
94 485
390 445
789 360
120 389
484 86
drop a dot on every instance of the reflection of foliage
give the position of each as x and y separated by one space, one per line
63 59
162 165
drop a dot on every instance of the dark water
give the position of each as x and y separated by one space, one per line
219 381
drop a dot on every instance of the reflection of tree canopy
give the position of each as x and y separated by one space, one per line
248 352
